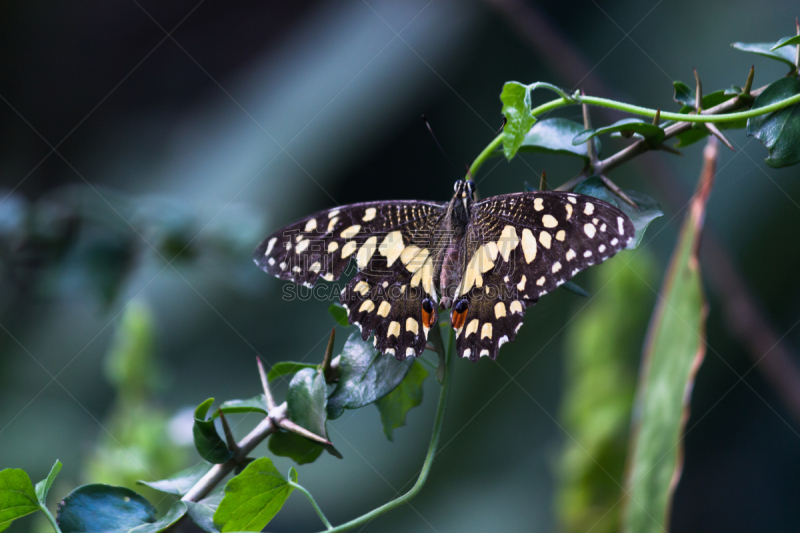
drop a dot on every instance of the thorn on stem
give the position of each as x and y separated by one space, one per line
619 192
670 149
229 438
265 385
327 370
718 134
587 124
288 425
698 94
543 182
657 118
749 83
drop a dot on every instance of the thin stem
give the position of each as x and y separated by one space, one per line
437 431
50 518
710 115
313 503
484 155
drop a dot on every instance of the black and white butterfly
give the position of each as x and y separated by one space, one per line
485 260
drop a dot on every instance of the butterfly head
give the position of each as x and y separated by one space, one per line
464 192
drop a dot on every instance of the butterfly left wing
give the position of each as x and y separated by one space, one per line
525 245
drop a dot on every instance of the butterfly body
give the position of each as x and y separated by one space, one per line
486 261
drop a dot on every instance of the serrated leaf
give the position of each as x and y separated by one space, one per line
786 41
206 439
652 134
256 404
516 99
674 351
339 314
784 55
684 94
181 482
394 406
779 131
107 509
202 512
43 487
365 376
253 497
647 211
17 496
300 449
305 401
285 368
554 136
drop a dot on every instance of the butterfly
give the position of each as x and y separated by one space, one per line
486 261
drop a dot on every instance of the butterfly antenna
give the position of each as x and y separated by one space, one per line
425 119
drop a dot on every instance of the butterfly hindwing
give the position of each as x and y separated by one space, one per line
526 245
323 244
387 300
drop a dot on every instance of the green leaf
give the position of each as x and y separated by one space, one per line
683 94
395 405
365 376
554 136
627 127
305 401
601 358
174 514
180 483
206 439
674 351
300 449
105 509
516 99
784 55
285 368
339 314
43 487
253 497
779 131
202 512
647 211
17 496
787 41
256 404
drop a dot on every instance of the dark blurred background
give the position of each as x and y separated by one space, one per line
147 147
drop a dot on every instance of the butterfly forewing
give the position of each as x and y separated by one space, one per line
323 244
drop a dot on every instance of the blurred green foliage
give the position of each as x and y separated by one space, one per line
137 442
602 350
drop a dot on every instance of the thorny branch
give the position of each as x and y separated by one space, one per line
746 320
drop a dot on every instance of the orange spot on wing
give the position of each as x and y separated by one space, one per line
458 319
428 319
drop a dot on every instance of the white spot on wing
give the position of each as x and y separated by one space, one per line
590 230
270 245
369 214
311 225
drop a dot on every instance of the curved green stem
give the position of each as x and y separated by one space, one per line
635 110
50 518
313 503
436 337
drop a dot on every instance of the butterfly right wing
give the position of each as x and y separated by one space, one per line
322 245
